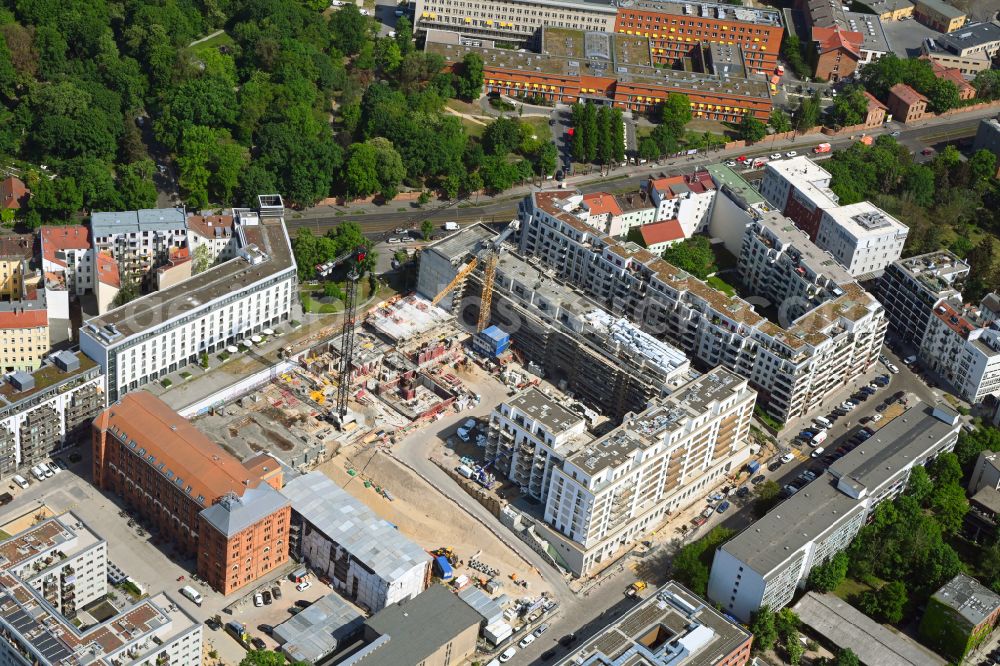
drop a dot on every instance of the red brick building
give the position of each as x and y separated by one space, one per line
226 513
13 193
966 90
876 111
905 104
837 52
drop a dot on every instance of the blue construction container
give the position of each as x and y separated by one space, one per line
492 342
442 568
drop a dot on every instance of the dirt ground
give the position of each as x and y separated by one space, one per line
428 518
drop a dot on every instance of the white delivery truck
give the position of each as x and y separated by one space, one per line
451 226
818 438
192 594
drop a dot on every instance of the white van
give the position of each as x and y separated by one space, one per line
37 473
20 481
45 470
192 594
822 422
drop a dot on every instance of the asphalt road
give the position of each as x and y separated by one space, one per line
377 221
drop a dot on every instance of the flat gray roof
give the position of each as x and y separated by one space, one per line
902 440
819 261
969 598
318 630
133 221
153 309
846 627
352 525
942 8
462 243
968 36
696 633
232 515
419 627
821 506
547 411
727 179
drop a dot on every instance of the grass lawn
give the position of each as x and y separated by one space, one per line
539 127
222 39
471 108
311 299
473 128
720 284
850 588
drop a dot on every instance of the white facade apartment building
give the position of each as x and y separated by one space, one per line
800 189
780 263
47 410
59 565
864 238
965 352
67 250
512 20
616 488
215 232
163 331
366 558
530 435
687 199
911 289
765 563
792 368
139 239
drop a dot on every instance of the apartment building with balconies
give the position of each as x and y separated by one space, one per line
765 563
47 410
530 435
55 567
617 487
800 189
165 330
793 366
863 238
512 20
911 289
964 350
224 512
139 240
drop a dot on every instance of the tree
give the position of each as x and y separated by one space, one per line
404 35
942 95
945 469
426 229
982 273
648 148
546 159
807 115
752 130
920 486
792 50
469 79
764 631
676 113
360 172
982 168
986 83
786 623
850 107
350 29
971 444
691 564
201 259
795 649
266 658
949 505
53 201
846 658
765 497
885 604
693 255
780 122
826 576
502 136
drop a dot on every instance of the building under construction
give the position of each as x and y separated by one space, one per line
605 361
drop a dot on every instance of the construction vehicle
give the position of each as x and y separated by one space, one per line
445 552
635 588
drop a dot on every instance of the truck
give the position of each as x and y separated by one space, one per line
635 588
192 594
822 148
442 568
451 226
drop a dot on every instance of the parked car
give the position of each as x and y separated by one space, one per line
773 466
303 603
776 156
817 452
526 641
876 418
276 592
892 368
568 639
731 163
542 628
789 490
791 153
267 597
304 585
743 491
723 507
507 655
787 458
757 479
258 600
266 628
258 643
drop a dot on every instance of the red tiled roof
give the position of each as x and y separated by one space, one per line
953 319
661 232
698 183
952 74
601 203
54 239
205 225
873 101
18 318
107 270
12 192
906 94
172 440
829 39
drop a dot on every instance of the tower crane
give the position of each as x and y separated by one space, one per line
357 257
